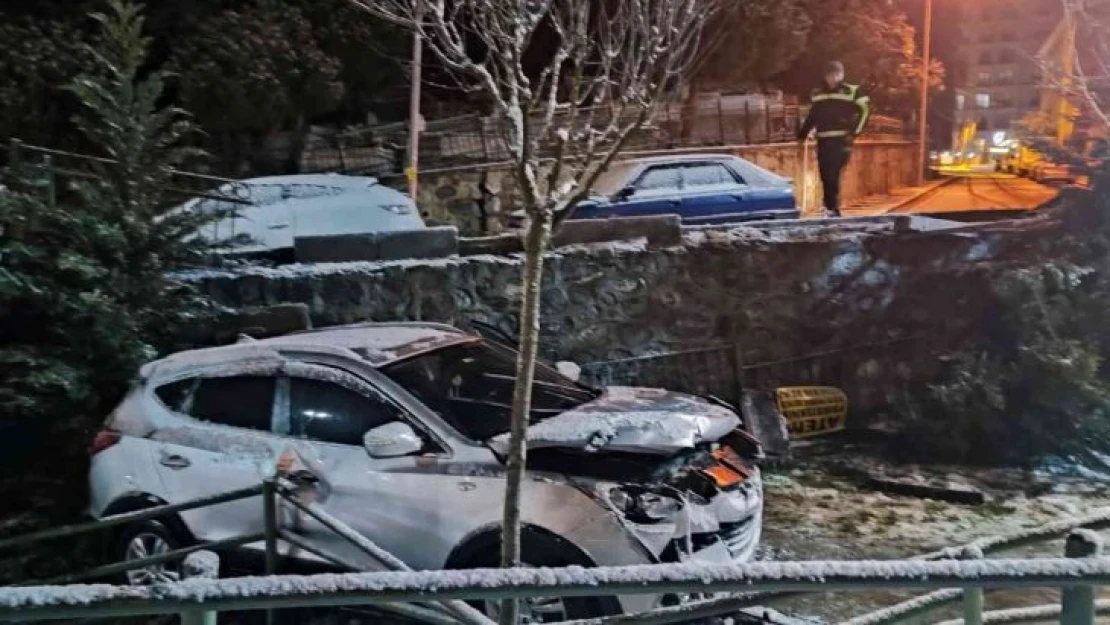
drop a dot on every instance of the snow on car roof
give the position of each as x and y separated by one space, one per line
750 171
673 158
276 189
335 180
380 344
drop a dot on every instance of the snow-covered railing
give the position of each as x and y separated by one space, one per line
261 593
438 596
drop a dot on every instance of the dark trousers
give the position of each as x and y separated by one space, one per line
832 156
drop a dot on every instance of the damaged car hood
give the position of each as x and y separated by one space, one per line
649 421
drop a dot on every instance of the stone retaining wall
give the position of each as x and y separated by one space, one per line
452 197
866 306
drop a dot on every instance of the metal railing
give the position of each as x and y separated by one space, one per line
145 514
43 167
725 369
1077 576
439 597
272 491
472 139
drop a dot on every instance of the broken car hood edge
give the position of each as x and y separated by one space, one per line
648 421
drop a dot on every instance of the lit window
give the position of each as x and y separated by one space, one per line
983 100
960 101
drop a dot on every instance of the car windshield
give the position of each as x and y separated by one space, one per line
613 179
471 387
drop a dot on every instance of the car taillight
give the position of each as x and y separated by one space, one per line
103 440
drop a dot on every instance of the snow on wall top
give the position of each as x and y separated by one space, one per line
696 236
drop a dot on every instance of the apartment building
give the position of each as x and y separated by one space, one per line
1000 42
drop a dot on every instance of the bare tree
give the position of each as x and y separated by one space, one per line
1087 23
1075 69
570 80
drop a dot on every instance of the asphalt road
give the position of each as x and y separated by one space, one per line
979 193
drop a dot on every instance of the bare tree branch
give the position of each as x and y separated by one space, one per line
1079 80
569 81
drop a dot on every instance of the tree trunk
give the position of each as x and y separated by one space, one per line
535 244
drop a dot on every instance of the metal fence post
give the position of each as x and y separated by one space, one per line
747 122
342 154
767 122
14 156
269 511
720 119
973 606
1077 603
973 597
481 130
201 565
198 618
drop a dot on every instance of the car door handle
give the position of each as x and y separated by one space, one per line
675 202
278 226
175 461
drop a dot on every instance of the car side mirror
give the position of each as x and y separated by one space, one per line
392 440
625 193
569 370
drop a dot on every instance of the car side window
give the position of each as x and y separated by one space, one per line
174 394
659 179
243 401
331 413
707 175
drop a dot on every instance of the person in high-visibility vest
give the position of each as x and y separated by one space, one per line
838 112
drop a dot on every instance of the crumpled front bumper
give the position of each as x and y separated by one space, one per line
725 531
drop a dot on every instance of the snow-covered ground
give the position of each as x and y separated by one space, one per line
811 515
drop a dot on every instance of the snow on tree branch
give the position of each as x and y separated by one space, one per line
569 80
1075 65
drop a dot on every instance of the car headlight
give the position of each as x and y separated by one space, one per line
397 209
641 505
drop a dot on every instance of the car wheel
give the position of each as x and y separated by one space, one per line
543 552
143 540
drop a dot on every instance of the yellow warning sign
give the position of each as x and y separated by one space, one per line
813 410
410 173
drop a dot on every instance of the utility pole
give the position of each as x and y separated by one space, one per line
414 99
923 114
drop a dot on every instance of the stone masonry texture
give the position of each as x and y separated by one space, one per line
864 305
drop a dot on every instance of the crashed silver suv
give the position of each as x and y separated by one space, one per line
405 429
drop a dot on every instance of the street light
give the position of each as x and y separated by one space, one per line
924 112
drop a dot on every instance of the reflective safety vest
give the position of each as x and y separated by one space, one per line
839 112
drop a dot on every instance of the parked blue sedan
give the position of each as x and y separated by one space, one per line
701 188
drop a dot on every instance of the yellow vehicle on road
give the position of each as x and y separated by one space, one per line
1021 161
